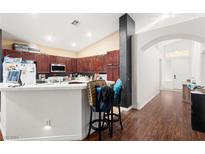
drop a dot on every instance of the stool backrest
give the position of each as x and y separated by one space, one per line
91 90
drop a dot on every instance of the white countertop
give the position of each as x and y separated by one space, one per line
197 92
48 86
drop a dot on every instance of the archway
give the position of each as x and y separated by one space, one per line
170 37
149 76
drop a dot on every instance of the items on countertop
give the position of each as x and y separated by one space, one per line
193 86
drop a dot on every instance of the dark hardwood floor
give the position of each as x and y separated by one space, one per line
166 117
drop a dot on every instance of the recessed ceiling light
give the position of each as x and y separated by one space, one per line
89 34
49 38
34 13
73 44
169 15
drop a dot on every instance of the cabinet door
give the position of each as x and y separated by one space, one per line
61 60
42 63
109 58
113 57
28 56
87 64
116 57
68 65
52 59
12 53
45 64
109 73
104 63
91 64
73 65
79 67
115 73
98 64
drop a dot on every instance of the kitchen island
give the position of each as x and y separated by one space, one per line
44 112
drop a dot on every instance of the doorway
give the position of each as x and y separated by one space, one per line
180 62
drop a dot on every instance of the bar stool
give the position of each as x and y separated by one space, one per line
94 99
117 102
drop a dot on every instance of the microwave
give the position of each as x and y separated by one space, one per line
58 68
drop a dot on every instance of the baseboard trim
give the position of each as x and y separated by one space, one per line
139 107
126 109
51 138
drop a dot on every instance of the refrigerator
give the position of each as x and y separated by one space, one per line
28 72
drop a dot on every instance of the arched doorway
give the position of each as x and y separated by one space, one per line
180 60
166 65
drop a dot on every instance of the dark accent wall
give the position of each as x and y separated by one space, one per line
127 29
1 57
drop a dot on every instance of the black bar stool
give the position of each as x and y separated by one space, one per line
114 117
95 106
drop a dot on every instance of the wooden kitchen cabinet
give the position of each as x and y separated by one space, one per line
68 65
42 63
113 73
113 58
113 62
28 56
52 59
12 53
104 63
79 67
61 60
91 64
98 64
73 65
108 63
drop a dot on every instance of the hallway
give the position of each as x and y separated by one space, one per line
166 117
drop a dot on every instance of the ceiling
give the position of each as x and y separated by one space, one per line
149 21
56 30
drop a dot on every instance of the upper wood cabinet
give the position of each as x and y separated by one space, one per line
73 65
42 63
68 64
28 56
52 59
113 58
94 64
12 53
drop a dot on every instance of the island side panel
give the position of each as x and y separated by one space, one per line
28 111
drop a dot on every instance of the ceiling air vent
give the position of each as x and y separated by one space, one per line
75 23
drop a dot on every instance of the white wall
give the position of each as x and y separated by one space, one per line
196 62
148 78
203 68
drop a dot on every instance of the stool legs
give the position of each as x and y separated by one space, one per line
99 126
90 123
120 116
100 122
111 123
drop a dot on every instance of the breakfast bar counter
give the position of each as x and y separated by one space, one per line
44 112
